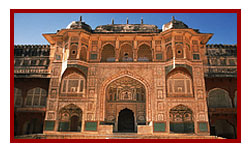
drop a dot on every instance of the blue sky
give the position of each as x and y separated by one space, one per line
29 27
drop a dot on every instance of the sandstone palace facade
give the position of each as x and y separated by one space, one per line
126 80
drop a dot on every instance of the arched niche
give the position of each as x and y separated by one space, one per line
73 51
179 53
219 98
144 53
179 83
73 83
83 53
70 118
126 53
125 89
125 92
181 119
169 52
188 52
108 53
103 92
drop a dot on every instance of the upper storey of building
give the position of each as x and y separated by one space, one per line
128 42
123 43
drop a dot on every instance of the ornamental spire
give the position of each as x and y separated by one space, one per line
141 20
173 18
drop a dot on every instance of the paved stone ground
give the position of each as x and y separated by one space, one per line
114 136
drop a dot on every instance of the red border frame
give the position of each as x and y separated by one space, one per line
13 11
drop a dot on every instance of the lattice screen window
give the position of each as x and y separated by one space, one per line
73 83
126 53
18 97
36 97
144 53
178 84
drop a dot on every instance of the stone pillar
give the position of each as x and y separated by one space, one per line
117 52
88 50
83 123
53 94
153 50
79 48
135 49
184 51
201 113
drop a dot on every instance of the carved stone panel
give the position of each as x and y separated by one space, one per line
161 117
90 117
54 82
201 117
198 82
160 106
53 93
56 71
200 94
91 93
50 116
51 105
159 94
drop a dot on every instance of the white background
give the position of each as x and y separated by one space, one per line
120 4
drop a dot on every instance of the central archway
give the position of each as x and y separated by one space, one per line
122 95
126 121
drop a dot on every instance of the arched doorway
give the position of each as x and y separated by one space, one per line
121 94
181 119
74 123
126 121
70 118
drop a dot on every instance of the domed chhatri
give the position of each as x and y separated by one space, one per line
79 25
174 24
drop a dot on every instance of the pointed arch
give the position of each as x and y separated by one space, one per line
108 53
179 83
104 85
73 83
126 53
70 118
144 53
169 52
181 119
83 53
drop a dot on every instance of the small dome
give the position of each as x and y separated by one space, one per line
79 25
174 24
